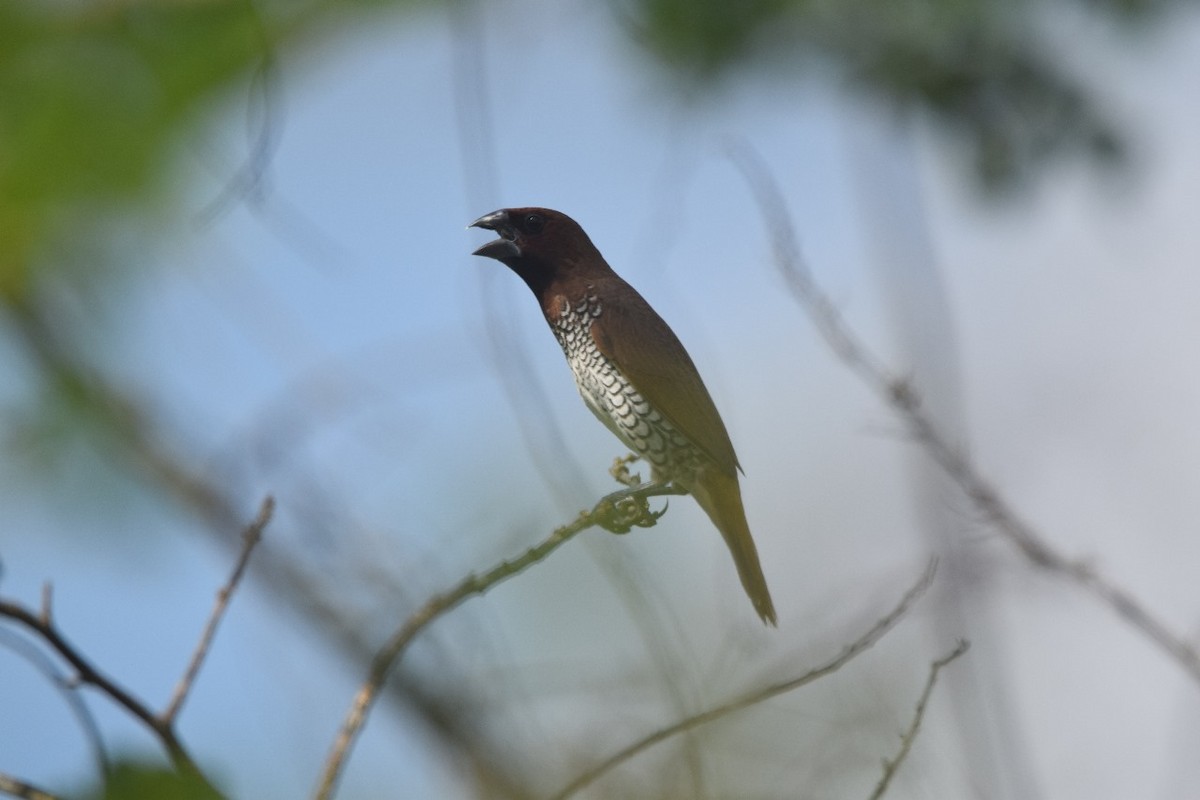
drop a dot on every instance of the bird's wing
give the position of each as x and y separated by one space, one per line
635 338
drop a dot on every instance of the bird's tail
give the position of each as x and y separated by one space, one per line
721 498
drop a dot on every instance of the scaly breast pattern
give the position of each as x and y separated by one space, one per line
615 401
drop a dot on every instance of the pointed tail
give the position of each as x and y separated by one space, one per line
721 498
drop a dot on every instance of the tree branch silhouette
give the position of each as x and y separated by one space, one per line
250 538
69 689
42 624
136 441
890 766
617 512
899 393
849 652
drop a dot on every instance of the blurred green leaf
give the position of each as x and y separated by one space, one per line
972 64
133 780
704 37
91 101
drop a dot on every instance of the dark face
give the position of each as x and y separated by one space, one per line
520 231
535 240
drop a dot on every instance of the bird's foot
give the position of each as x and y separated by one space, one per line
620 470
620 511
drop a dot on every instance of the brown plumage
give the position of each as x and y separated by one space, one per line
631 370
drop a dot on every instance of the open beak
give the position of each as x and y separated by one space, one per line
506 245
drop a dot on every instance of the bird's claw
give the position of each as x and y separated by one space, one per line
620 470
622 515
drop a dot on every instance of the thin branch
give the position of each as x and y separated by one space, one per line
898 392
47 608
849 652
616 512
68 688
250 538
138 445
264 119
18 788
910 735
42 624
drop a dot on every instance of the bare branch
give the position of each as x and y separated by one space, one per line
143 449
898 393
250 537
88 674
616 512
42 624
27 791
67 687
47 609
849 652
910 735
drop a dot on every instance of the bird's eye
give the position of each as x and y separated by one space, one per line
534 222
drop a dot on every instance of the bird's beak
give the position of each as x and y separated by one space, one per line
505 246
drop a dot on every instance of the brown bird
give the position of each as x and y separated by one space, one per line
632 371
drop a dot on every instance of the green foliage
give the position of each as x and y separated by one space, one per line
703 37
93 100
133 780
94 96
972 64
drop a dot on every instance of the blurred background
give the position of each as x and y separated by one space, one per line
233 262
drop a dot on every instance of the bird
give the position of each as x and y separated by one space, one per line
632 371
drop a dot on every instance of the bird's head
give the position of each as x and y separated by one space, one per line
539 244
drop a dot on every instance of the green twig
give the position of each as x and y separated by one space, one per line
619 509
